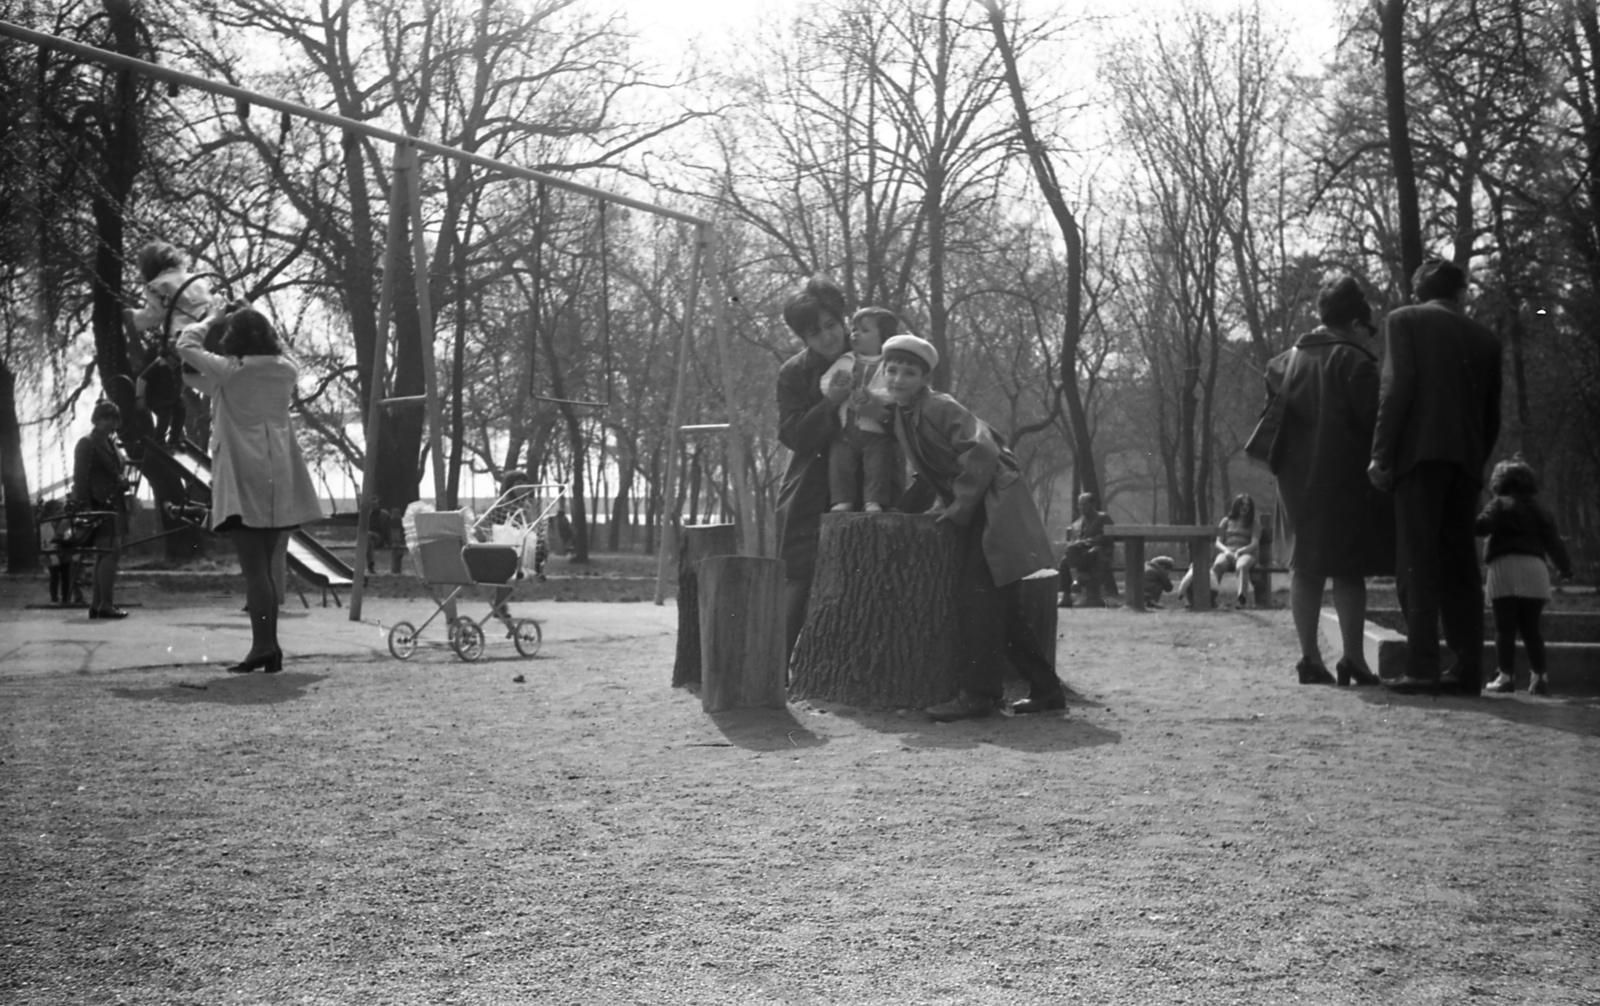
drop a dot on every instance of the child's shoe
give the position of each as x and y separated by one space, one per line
1538 686
1504 683
874 508
842 507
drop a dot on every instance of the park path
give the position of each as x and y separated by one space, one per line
1196 828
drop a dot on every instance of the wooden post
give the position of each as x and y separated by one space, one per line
1261 573
1133 573
881 629
737 462
392 252
669 503
698 541
741 633
1200 558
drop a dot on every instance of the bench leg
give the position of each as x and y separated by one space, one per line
1200 583
1133 578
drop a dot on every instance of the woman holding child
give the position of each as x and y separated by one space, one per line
808 422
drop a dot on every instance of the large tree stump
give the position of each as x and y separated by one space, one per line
881 627
696 542
741 633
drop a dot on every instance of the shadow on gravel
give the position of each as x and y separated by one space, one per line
1049 732
233 690
1574 715
1055 731
765 730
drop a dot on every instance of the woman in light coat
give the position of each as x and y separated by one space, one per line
261 489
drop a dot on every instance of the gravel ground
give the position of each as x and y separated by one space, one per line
1195 829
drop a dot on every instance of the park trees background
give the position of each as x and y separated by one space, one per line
1105 260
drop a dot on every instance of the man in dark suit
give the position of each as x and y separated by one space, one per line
1438 419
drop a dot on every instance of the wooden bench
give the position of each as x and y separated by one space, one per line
1200 538
1133 537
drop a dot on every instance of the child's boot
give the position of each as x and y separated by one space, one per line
1537 685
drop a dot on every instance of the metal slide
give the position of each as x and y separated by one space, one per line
307 556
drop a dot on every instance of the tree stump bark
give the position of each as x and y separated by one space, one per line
741 633
881 627
696 542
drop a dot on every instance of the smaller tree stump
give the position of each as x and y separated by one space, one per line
741 633
881 627
697 542
1038 597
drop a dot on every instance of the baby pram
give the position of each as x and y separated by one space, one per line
448 551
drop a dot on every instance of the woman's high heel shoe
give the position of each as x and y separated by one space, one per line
1350 671
269 663
1313 674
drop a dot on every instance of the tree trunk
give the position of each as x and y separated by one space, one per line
880 631
22 542
1072 326
697 542
619 505
1391 20
741 624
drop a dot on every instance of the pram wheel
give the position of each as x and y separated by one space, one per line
466 639
403 640
527 636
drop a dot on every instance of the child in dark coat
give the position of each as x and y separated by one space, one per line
982 492
1522 534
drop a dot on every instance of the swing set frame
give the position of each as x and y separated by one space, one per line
405 203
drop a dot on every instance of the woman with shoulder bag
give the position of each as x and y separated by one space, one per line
1342 528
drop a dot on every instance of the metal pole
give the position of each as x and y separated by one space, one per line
159 72
380 368
748 543
669 538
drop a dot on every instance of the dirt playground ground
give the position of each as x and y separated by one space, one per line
1197 828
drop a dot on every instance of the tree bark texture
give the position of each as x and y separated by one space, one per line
697 542
1391 22
741 630
22 541
880 631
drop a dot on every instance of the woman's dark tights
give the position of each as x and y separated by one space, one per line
1513 615
255 547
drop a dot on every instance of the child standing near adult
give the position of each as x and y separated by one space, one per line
861 457
1522 534
981 491
173 300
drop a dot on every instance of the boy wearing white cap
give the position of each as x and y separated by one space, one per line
981 491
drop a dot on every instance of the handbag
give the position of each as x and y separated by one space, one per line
1264 444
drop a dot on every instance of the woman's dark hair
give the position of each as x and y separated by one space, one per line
1438 279
1513 477
249 333
1341 301
156 258
1243 502
105 410
803 313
